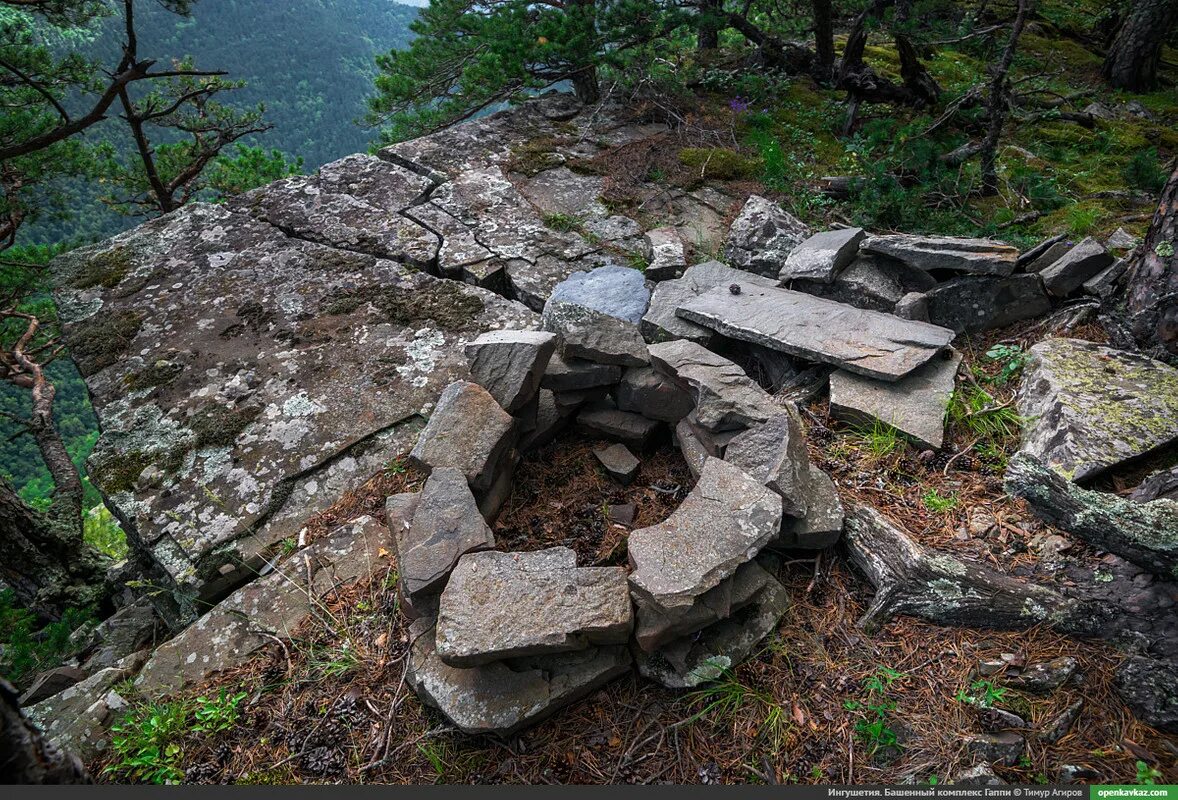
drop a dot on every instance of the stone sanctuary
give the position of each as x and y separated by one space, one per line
252 362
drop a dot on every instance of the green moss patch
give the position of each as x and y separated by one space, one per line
219 426
444 303
97 342
106 269
718 163
158 374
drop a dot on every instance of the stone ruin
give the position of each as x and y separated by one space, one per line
250 363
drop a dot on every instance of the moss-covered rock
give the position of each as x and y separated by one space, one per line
718 163
445 303
97 342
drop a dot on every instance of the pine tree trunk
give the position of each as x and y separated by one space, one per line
25 756
708 37
585 85
1132 61
1152 285
823 40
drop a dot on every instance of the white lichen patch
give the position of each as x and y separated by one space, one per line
422 355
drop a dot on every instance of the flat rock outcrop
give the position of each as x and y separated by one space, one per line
661 322
1088 408
506 605
866 342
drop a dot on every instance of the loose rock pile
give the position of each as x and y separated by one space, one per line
425 283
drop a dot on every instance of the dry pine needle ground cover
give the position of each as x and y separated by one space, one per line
332 705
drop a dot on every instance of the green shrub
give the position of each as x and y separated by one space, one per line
28 650
1144 171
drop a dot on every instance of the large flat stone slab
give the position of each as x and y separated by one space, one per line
274 605
725 397
506 605
930 253
468 431
1089 408
914 405
505 697
866 342
661 323
244 380
446 525
724 521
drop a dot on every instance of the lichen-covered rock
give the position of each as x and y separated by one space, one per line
762 237
507 605
446 525
274 605
1088 408
970 256
504 697
244 379
725 521
1150 687
78 719
510 364
468 431
666 256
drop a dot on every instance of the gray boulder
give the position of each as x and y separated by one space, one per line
510 364
446 525
725 397
972 304
762 236
647 392
506 605
468 431
914 405
1048 256
615 291
78 719
823 256
1104 283
867 342
619 463
50 682
1088 408
505 697
725 521
774 453
1069 272
594 335
576 374
871 282
1150 687
931 253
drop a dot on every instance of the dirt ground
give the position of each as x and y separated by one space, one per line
333 706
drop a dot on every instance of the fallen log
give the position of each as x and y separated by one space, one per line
1143 533
915 580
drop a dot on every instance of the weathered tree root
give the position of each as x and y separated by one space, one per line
911 579
26 756
1143 533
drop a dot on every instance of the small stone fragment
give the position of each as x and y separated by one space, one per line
994 720
619 463
981 775
996 748
694 452
667 260
468 431
50 682
823 255
913 305
1058 727
446 525
1105 283
509 364
1048 256
1043 677
626 427
1086 260
762 236
508 605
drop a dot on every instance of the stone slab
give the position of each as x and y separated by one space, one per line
725 397
823 256
507 605
930 253
510 364
619 463
865 342
468 431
